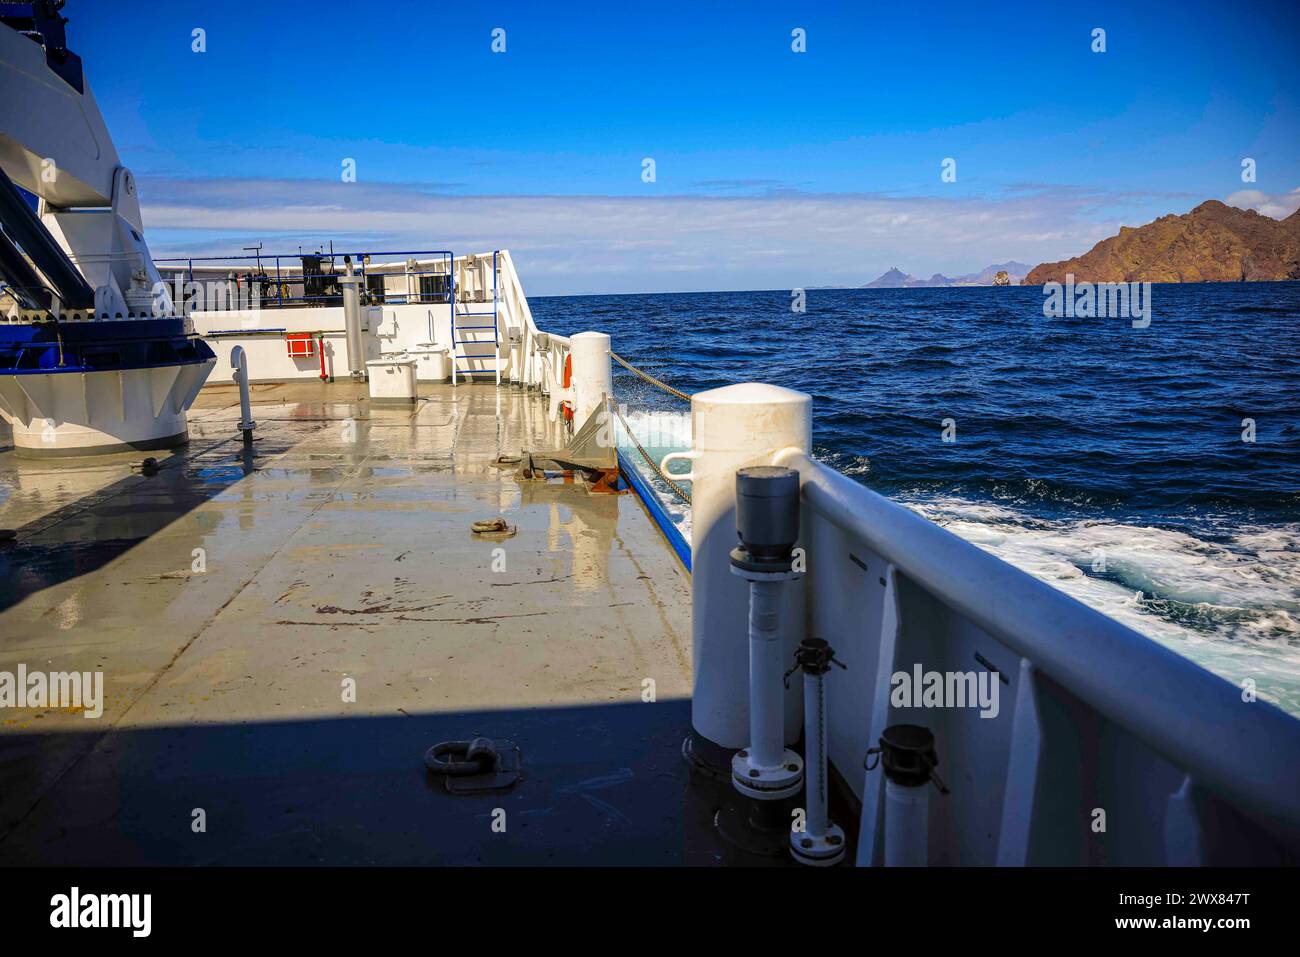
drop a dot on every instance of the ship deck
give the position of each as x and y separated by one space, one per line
229 598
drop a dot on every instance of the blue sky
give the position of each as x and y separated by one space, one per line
773 168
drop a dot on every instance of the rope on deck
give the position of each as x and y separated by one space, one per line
681 492
649 378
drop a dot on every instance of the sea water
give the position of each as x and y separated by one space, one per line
1152 473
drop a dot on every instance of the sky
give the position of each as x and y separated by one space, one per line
773 169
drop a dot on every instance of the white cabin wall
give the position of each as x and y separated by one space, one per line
411 328
392 329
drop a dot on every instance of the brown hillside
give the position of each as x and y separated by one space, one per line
1212 243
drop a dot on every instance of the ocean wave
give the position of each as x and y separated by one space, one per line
1232 606
1172 449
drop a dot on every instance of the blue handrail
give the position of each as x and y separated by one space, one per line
445 267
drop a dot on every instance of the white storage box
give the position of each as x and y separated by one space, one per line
392 378
432 362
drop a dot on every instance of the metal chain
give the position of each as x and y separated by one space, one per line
685 495
648 377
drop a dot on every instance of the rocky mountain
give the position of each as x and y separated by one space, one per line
1213 243
892 278
895 278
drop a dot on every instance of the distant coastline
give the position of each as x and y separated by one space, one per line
894 278
1214 242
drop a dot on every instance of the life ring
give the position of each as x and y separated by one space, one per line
566 406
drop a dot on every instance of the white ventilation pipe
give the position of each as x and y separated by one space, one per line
767 524
766 658
239 363
351 286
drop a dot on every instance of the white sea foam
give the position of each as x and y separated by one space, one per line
1232 607
660 433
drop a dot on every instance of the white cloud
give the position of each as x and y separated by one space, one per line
1277 205
628 243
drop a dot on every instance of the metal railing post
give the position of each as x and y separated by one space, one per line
451 307
496 329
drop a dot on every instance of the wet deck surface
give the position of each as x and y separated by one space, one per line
231 600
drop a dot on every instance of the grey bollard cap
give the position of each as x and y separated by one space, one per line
767 510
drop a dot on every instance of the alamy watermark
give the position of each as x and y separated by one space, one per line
133 912
82 690
1101 300
946 689
211 295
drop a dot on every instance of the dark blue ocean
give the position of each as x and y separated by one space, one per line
1153 472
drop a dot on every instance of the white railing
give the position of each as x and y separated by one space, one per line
1089 743
1100 718
532 358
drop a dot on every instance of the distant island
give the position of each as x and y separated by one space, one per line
1213 243
999 274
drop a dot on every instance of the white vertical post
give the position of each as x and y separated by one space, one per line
732 428
239 363
821 842
907 824
814 753
351 288
451 306
593 379
766 667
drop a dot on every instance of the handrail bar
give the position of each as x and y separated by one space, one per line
337 254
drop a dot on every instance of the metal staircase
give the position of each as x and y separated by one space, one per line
475 342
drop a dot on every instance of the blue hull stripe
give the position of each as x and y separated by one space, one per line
656 510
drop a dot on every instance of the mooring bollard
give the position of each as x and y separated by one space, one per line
239 362
732 428
593 378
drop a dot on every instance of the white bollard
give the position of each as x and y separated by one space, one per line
732 428
593 379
